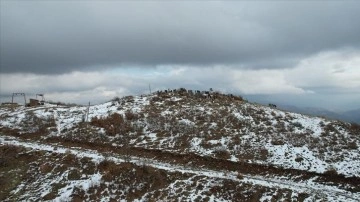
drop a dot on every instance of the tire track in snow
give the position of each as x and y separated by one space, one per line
97 157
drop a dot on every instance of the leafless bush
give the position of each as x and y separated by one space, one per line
352 145
116 99
330 128
46 168
263 153
156 99
113 124
155 122
74 174
355 128
331 171
239 176
130 116
222 152
277 142
129 98
298 125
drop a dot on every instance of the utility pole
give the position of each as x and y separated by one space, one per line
57 119
149 88
87 113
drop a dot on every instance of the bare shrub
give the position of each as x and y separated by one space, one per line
222 152
299 159
116 99
130 116
170 103
355 128
239 176
331 172
74 174
298 125
69 159
277 142
110 169
129 98
322 124
46 168
263 154
156 99
113 124
155 122
330 128
352 145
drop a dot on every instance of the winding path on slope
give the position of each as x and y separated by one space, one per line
162 162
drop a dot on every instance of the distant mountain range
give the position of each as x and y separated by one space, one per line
348 116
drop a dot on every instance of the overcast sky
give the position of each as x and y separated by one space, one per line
297 53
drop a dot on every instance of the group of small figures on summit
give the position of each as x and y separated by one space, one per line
204 94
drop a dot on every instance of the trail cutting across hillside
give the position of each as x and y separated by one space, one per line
308 186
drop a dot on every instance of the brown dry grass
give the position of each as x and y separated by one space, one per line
12 169
113 124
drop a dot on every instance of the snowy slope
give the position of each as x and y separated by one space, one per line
197 176
223 127
243 130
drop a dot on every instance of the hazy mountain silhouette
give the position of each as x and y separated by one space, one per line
348 116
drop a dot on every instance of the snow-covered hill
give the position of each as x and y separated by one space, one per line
210 140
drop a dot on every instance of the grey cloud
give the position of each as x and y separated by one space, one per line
58 37
278 85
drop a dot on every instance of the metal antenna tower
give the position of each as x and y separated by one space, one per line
18 94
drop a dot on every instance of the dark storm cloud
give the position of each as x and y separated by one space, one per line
62 36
